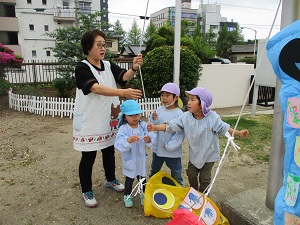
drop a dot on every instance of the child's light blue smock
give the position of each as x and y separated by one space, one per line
134 155
201 135
168 144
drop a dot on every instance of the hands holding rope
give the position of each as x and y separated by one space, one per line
137 62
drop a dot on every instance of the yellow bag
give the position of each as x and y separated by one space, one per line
163 195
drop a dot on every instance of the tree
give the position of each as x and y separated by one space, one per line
118 30
150 30
7 58
68 50
226 39
165 36
157 70
185 28
134 34
210 38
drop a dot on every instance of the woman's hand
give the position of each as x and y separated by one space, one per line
132 93
137 62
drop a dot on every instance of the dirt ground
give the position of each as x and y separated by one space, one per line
39 181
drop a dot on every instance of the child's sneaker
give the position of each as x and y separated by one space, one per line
142 199
115 184
128 201
89 199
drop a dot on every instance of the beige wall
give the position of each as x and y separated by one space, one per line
16 48
9 24
228 83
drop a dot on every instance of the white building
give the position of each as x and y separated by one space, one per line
24 23
165 15
207 15
36 17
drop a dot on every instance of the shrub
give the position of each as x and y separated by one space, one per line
158 67
64 86
7 58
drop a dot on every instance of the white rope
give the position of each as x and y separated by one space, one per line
141 40
229 137
257 66
138 188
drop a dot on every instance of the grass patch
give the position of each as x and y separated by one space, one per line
258 143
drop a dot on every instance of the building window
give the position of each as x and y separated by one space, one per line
31 27
28 1
109 44
230 29
213 27
46 27
33 53
9 38
48 54
192 15
85 7
44 2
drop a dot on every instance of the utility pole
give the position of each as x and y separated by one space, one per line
290 13
76 13
176 71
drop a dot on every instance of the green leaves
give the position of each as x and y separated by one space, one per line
158 67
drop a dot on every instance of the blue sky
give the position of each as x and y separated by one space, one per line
255 14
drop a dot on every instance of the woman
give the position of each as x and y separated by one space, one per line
96 110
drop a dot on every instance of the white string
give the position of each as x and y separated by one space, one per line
257 66
138 188
141 40
231 138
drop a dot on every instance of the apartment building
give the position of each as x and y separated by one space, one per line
25 23
165 15
9 26
207 15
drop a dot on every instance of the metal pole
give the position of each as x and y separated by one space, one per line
289 14
76 13
255 34
176 71
254 43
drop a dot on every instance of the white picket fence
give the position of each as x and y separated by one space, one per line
63 107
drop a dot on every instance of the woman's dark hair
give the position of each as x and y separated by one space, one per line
88 39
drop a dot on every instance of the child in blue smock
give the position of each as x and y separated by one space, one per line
201 126
131 141
168 146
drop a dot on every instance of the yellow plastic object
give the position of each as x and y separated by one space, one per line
163 195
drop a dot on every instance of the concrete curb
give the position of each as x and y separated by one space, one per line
247 208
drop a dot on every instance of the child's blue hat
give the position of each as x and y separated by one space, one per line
130 107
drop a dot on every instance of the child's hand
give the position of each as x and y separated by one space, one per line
243 133
150 127
154 115
133 139
147 139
